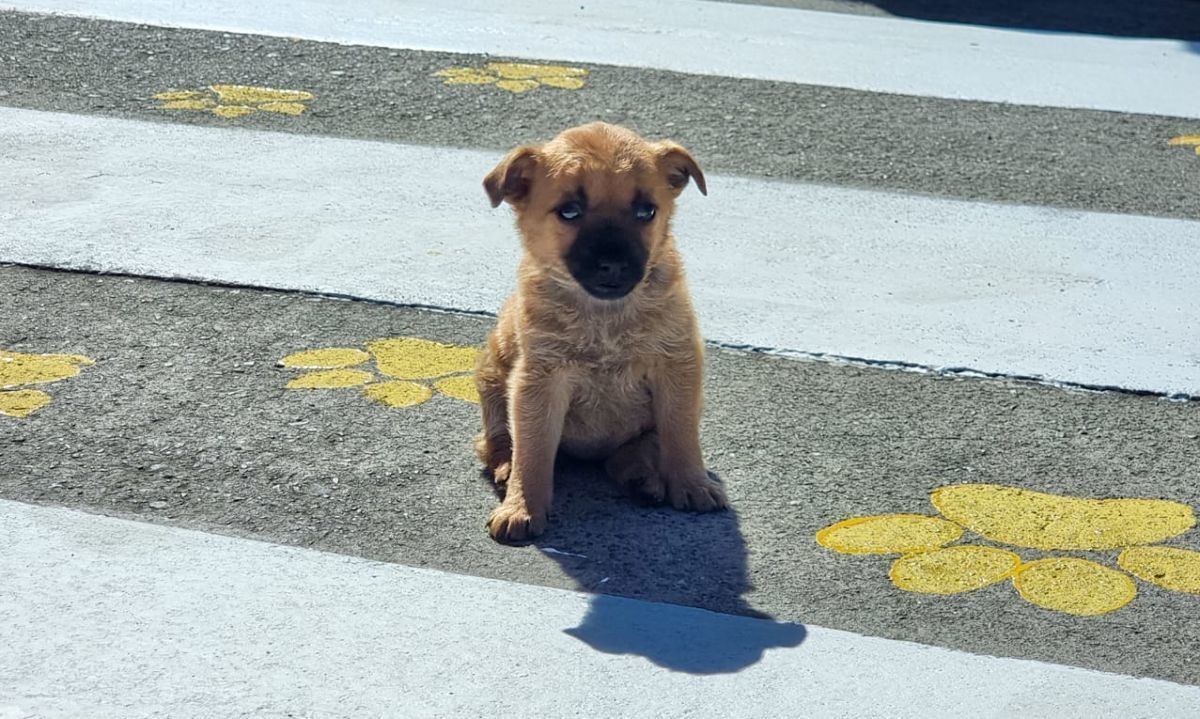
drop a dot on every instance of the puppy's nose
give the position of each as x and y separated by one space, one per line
611 270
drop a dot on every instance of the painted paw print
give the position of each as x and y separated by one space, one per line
414 368
18 370
931 564
236 100
1186 141
516 76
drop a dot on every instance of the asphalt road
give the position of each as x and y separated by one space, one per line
185 420
985 151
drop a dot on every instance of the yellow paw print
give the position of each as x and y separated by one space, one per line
1187 141
17 370
236 100
930 563
404 360
516 76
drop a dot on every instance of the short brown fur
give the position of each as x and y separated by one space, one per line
618 380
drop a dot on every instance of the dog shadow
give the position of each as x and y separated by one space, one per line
1166 19
620 550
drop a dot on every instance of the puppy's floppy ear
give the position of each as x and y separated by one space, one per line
512 178
679 165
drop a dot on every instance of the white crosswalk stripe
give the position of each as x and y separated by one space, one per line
246 622
1075 297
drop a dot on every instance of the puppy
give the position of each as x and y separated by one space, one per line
597 353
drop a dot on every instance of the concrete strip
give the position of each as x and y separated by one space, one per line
111 618
1089 298
866 53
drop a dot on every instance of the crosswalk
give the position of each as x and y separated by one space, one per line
364 187
712 38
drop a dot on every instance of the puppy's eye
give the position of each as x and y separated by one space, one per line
644 211
570 211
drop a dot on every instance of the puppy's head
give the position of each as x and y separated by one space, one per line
595 203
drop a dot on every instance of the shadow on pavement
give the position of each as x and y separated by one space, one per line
1168 19
620 550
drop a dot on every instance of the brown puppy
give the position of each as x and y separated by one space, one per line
597 353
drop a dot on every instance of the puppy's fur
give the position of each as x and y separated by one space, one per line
597 352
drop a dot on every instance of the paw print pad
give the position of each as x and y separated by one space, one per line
407 370
1186 141
516 77
931 563
18 370
236 100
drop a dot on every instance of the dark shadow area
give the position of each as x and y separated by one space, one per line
1167 19
681 638
621 549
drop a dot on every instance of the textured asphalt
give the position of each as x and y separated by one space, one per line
184 420
984 151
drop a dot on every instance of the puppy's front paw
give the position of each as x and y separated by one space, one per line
513 521
696 492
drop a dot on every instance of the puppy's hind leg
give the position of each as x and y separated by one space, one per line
634 466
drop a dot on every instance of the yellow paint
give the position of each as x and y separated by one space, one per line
888 534
331 379
398 393
413 358
18 369
459 387
204 104
22 402
250 95
529 71
1189 140
328 358
1074 586
1168 567
1026 518
232 110
516 77
232 101
563 83
517 85
466 76
408 363
284 108
952 570
1037 520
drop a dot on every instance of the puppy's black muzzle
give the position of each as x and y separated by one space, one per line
607 259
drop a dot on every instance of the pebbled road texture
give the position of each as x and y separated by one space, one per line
184 420
982 151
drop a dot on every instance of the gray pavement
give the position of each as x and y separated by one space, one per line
184 420
1044 156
